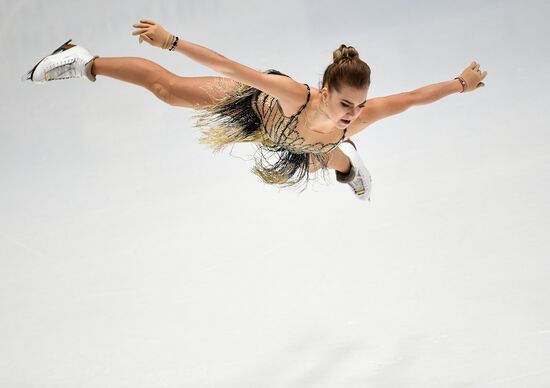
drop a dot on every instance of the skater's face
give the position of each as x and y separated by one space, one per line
344 106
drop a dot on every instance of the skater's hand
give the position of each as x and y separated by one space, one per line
153 33
472 76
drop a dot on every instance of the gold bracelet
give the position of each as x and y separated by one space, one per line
168 42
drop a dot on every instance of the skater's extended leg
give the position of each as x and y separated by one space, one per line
190 92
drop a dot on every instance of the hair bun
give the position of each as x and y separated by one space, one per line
344 53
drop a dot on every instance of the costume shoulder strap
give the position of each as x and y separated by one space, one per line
307 100
273 71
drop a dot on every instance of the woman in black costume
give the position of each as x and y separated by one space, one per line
298 130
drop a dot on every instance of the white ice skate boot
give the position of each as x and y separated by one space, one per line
358 178
67 61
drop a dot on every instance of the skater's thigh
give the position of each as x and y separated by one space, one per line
197 92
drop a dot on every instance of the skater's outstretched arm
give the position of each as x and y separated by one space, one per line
380 107
285 89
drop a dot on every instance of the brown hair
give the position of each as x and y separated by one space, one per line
346 69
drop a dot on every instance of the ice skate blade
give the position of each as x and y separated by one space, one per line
28 75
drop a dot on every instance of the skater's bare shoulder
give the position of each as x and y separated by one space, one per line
380 107
289 92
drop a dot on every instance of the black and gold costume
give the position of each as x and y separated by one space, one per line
247 114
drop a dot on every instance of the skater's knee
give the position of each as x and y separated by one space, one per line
162 89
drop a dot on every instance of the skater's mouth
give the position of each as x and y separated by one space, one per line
345 121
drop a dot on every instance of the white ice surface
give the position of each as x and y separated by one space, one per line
132 256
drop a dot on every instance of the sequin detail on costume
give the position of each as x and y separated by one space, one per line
247 114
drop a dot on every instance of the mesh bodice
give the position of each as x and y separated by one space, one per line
282 129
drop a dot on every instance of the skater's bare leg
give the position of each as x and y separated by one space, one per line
190 92
337 160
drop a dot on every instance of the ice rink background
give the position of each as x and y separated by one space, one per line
132 256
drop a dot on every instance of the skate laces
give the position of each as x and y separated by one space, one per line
358 184
63 71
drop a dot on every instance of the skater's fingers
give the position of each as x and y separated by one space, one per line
139 32
141 25
147 21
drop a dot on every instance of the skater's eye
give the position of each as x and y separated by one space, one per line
348 106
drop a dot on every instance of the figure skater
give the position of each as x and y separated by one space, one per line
302 128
